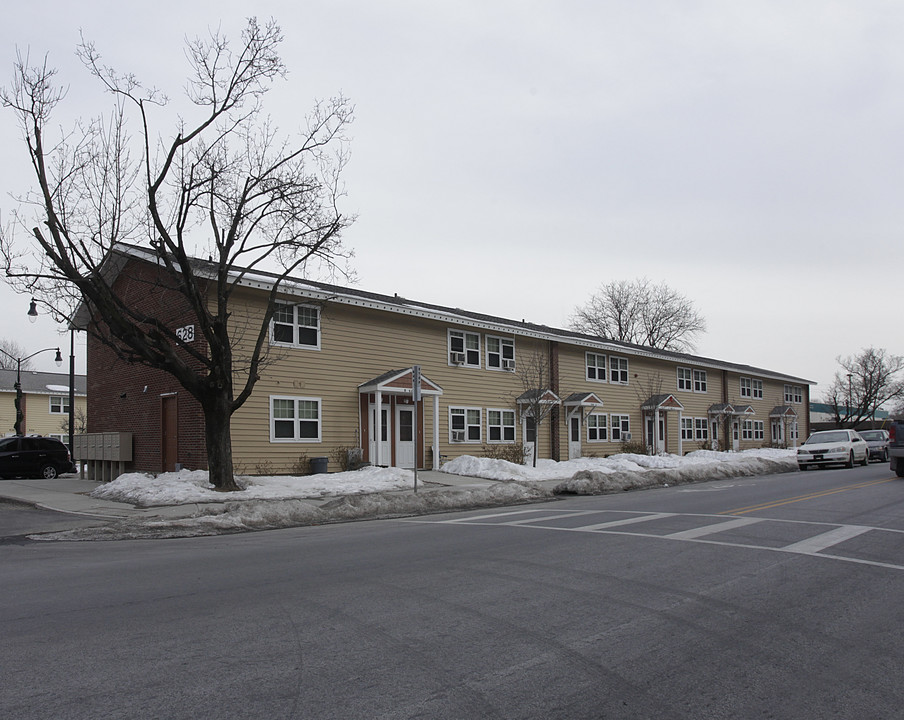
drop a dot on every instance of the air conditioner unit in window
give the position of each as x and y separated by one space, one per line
508 364
457 358
627 437
458 436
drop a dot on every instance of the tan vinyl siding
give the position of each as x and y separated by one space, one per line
357 345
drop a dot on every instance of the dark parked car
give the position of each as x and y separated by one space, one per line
33 456
878 444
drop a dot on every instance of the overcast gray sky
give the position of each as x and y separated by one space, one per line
510 157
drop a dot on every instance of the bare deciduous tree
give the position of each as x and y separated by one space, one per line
642 313
865 382
537 401
12 350
224 184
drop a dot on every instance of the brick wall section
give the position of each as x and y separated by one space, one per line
125 397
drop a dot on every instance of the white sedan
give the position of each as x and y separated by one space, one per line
833 447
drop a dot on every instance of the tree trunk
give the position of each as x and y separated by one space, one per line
218 440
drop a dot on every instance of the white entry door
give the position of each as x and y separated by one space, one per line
385 434
735 435
404 433
574 437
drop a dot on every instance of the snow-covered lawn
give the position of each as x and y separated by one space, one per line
186 487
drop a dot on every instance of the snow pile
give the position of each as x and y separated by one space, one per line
193 486
232 517
697 466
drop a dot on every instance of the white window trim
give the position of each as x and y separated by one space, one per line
685 384
759 430
746 392
623 419
701 429
687 428
296 439
604 417
626 371
295 343
503 342
700 381
464 338
502 426
64 401
604 366
756 387
478 425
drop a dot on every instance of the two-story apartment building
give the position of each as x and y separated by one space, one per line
339 375
45 403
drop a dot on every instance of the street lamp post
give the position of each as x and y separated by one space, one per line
32 317
19 414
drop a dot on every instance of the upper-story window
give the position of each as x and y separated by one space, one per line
500 353
464 348
596 366
700 381
618 370
751 388
685 379
794 394
296 325
59 405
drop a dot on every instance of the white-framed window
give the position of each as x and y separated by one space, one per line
620 426
701 429
296 326
751 388
464 348
794 394
500 426
687 428
699 381
685 379
59 404
596 366
789 395
500 353
798 394
618 370
759 430
714 427
295 419
597 427
793 431
464 425
747 430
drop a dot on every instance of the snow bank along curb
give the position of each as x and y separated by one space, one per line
593 482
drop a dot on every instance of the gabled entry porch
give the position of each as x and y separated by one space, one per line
392 423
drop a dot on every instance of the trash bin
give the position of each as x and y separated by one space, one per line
319 465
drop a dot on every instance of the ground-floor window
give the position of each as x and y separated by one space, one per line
294 419
500 426
621 427
747 430
701 429
759 430
597 428
687 428
464 424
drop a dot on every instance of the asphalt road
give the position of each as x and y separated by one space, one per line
768 597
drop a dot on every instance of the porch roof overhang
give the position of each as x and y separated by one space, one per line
583 400
743 410
543 396
662 402
398 382
720 409
783 411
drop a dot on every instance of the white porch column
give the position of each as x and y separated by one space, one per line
436 432
378 430
656 448
680 435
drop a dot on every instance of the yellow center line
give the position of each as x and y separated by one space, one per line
800 498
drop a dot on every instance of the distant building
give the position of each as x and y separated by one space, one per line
45 402
822 417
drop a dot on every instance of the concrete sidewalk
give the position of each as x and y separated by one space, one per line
69 494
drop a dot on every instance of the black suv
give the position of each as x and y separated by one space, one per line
33 456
